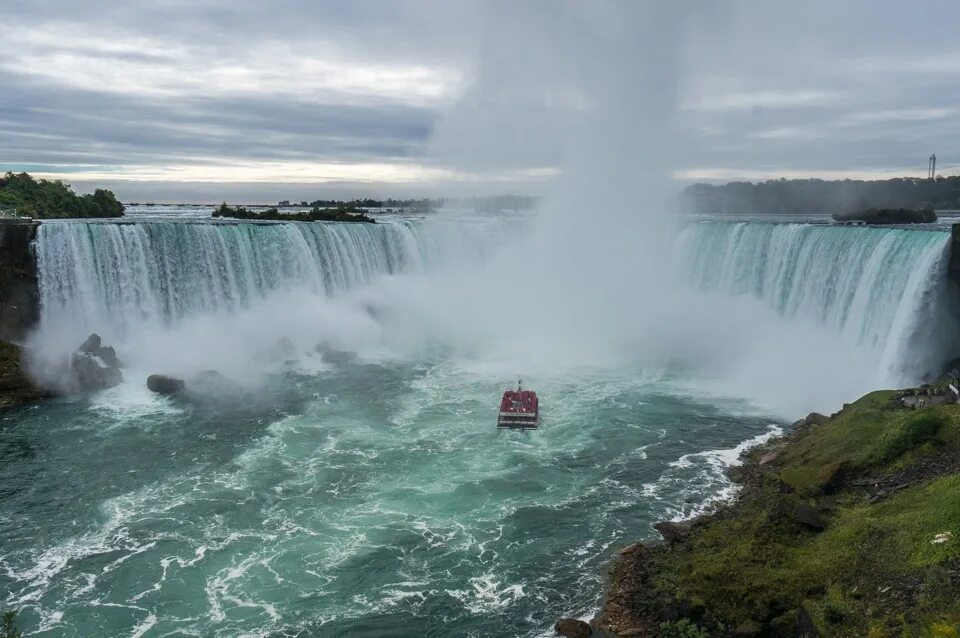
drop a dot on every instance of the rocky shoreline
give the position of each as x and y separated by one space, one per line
848 525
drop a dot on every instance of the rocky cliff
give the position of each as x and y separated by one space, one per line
19 287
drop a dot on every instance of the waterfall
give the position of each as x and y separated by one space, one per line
111 276
881 289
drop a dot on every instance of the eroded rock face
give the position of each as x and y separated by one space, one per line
573 628
16 388
92 373
672 531
19 285
95 366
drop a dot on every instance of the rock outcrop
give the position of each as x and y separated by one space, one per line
573 628
16 387
19 286
162 384
95 366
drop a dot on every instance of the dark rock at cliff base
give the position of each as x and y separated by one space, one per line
91 373
672 531
162 384
329 354
808 516
16 387
19 282
573 628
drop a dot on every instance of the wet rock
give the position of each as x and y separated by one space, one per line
573 628
673 531
162 384
92 345
808 516
91 373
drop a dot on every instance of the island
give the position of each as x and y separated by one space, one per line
889 216
316 214
23 196
847 526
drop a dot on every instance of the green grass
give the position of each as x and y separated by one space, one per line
874 570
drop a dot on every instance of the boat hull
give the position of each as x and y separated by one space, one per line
515 421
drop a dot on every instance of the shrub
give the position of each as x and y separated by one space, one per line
682 628
8 629
913 433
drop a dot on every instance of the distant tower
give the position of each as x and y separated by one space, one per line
932 168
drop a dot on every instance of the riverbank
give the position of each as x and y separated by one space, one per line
847 526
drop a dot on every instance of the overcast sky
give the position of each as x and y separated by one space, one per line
253 101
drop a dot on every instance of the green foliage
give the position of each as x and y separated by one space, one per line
340 214
8 628
890 216
914 432
804 196
942 629
46 199
756 561
682 628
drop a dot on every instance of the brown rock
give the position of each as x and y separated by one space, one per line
672 531
808 516
573 628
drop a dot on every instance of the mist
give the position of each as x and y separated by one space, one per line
592 280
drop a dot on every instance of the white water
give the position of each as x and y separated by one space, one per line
881 291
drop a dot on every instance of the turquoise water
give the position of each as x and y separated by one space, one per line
373 499
377 498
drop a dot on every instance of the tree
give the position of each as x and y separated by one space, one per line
8 628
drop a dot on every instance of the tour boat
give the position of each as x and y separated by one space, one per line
519 409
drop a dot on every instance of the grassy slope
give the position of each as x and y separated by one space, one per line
874 571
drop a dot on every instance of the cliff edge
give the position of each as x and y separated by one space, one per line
848 526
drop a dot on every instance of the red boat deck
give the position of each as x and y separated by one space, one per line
519 409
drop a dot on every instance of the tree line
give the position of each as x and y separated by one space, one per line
46 199
839 197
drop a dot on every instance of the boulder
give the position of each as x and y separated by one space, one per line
573 628
91 373
94 345
672 531
162 384
806 515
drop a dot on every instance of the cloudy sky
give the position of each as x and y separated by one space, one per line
178 100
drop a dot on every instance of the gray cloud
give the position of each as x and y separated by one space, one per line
456 97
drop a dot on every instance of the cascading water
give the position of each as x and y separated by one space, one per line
374 496
881 289
109 276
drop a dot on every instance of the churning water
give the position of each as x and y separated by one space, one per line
375 497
